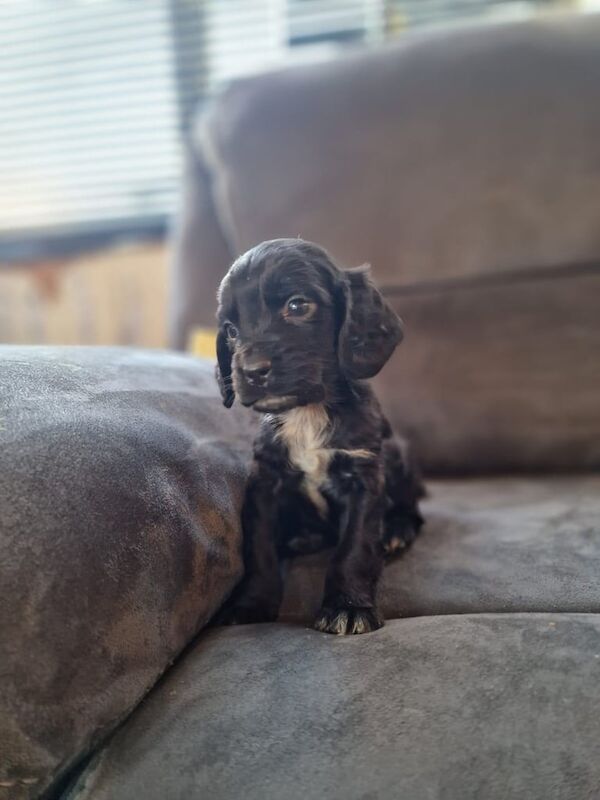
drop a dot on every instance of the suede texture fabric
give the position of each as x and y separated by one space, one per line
499 376
121 482
437 708
503 544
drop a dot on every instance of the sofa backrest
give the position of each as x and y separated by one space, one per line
465 167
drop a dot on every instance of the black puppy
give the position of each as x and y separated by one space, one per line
297 336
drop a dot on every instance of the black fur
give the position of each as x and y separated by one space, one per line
296 331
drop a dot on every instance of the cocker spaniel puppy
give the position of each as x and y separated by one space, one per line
297 339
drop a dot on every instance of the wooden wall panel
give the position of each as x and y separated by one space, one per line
114 297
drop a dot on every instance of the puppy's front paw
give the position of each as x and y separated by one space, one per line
239 614
344 620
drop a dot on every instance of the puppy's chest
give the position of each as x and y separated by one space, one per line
306 433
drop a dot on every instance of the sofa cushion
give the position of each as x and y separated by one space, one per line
451 708
488 545
121 480
499 376
425 155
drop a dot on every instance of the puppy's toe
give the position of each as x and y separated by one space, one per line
400 534
345 620
393 545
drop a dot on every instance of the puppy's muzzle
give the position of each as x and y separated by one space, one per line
257 372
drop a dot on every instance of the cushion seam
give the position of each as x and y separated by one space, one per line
509 277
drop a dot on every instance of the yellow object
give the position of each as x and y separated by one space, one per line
202 342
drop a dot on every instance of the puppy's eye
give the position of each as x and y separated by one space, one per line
298 307
231 331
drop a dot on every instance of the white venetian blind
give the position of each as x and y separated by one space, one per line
88 111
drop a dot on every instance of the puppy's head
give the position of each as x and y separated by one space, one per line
291 324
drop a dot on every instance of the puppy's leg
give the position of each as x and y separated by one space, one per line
258 597
403 490
351 582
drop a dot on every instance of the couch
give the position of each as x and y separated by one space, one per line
466 167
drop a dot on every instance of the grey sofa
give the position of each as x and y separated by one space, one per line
466 167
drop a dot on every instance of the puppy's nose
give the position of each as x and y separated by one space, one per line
256 372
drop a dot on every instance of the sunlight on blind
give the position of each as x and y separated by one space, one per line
88 116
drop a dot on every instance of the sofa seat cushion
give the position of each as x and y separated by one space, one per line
501 544
450 708
121 482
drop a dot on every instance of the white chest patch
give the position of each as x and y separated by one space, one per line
305 432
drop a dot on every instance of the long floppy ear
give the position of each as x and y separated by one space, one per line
371 329
223 370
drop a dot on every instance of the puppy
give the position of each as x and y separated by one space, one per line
297 338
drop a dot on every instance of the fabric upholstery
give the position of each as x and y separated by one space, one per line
447 708
511 544
499 377
198 238
121 481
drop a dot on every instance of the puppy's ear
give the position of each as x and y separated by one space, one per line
223 370
370 330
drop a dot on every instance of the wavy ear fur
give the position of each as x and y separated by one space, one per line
223 370
371 329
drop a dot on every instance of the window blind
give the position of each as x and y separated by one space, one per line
88 112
